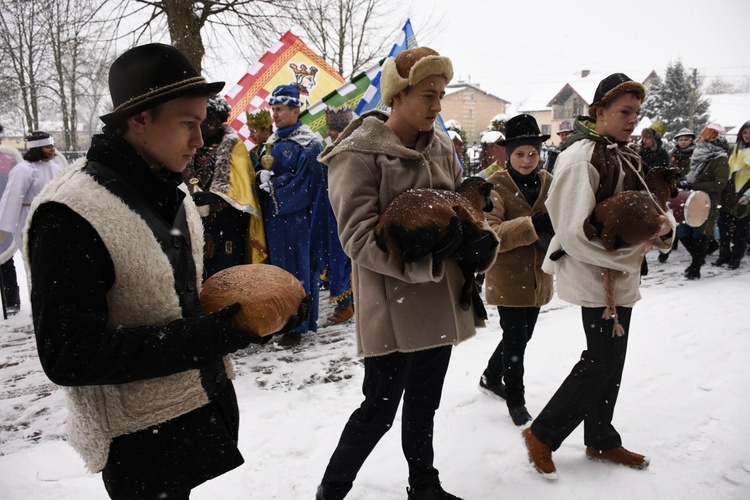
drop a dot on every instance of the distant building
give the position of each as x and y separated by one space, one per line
472 107
554 103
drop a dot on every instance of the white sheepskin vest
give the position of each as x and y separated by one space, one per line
97 414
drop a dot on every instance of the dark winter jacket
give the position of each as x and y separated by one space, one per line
709 172
680 158
654 157
126 335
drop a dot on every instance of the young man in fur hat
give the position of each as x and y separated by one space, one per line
595 165
407 323
652 152
294 202
115 252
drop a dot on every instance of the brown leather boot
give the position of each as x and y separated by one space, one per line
540 455
341 315
620 456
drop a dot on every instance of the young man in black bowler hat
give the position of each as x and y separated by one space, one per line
115 256
596 164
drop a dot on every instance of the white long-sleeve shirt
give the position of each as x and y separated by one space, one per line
25 182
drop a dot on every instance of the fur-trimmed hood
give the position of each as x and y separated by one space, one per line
303 136
369 134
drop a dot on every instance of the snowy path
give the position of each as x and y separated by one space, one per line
684 402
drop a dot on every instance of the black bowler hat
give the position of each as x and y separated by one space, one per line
148 75
522 127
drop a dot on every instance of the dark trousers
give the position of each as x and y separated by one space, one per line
590 392
506 363
418 376
695 242
11 294
733 236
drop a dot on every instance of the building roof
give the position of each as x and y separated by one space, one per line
455 88
559 91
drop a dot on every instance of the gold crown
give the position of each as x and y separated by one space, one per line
259 118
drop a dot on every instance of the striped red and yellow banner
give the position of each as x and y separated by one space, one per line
290 60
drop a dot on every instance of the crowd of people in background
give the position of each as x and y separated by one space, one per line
309 207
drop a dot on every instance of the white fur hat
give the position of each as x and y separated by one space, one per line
411 67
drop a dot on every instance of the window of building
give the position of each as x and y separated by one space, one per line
546 129
577 107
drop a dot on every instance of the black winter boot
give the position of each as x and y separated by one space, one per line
519 414
433 493
698 249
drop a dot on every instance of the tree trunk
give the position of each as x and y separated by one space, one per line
185 30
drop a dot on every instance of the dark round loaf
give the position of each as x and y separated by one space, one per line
269 296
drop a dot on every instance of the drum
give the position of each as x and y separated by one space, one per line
690 207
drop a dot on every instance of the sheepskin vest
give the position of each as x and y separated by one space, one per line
143 293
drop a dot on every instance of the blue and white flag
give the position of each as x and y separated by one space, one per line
372 98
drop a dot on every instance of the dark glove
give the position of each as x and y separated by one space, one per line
201 198
303 312
446 247
226 336
685 184
542 223
476 248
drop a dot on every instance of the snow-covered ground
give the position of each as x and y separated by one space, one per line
684 402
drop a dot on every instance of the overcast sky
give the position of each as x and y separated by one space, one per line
511 46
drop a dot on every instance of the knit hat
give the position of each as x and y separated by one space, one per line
685 132
288 95
520 127
39 139
259 118
339 118
411 67
218 106
712 131
614 86
565 127
149 75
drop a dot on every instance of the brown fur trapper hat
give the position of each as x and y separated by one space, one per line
411 67
613 86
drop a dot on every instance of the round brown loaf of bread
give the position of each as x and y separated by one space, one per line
269 296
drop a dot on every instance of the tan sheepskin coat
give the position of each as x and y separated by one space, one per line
516 278
143 294
368 168
571 200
